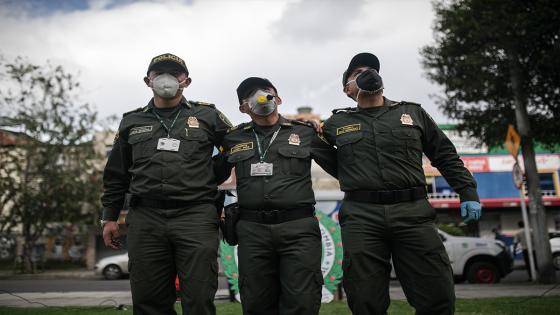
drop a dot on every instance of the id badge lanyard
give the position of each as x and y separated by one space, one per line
168 144
262 168
262 154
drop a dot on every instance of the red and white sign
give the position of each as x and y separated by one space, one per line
497 163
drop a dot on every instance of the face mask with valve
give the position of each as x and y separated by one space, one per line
166 86
262 103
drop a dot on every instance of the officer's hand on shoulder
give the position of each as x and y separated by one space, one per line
471 211
111 235
312 123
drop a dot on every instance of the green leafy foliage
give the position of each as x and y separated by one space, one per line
476 44
48 172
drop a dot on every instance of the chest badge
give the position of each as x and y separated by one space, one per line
406 119
193 122
294 139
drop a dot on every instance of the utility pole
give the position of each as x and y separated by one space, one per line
546 273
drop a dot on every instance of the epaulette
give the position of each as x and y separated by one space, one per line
302 123
202 104
344 110
139 109
405 103
242 125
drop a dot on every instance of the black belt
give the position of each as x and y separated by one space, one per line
386 196
136 201
273 216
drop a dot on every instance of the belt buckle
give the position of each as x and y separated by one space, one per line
386 196
270 216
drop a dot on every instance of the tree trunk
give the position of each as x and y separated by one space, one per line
28 264
541 244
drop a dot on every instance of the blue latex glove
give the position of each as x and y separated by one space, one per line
470 210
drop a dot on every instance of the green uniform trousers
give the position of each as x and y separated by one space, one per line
280 267
372 234
163 243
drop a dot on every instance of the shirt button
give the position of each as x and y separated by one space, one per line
266 180
267 196
164 181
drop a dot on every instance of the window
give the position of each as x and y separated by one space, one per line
547 184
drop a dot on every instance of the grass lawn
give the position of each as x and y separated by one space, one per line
494 306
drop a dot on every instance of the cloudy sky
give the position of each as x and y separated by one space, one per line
302 46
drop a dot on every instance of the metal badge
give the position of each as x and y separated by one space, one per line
261 169
193 122
406 119
168 144
294 139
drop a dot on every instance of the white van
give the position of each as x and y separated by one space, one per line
555 248
475 259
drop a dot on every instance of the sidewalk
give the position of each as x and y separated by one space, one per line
49 275
105 298
463 291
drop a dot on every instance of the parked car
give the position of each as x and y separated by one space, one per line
555 248
475 259
113 267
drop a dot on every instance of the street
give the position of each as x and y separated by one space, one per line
102 285
95 292
74 285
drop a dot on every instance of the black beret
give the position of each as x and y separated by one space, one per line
249 85
167 62
360 60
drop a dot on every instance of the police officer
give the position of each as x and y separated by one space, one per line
162 157
279 239
385 213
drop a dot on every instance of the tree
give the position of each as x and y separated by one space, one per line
47 168
497 61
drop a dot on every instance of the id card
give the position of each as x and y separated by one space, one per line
261 169
168 144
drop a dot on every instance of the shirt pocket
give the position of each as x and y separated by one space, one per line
242 162
294 160
143 145
409 142
192 140
345 145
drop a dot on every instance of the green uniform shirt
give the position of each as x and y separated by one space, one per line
291 152
135 165
381 149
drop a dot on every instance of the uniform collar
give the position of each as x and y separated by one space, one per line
151 105
386 103
283 122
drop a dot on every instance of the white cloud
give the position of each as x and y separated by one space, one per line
302 46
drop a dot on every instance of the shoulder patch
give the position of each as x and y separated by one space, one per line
236 127
407 103
302 123
320 136
224 119
198 103
139 109
343 110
